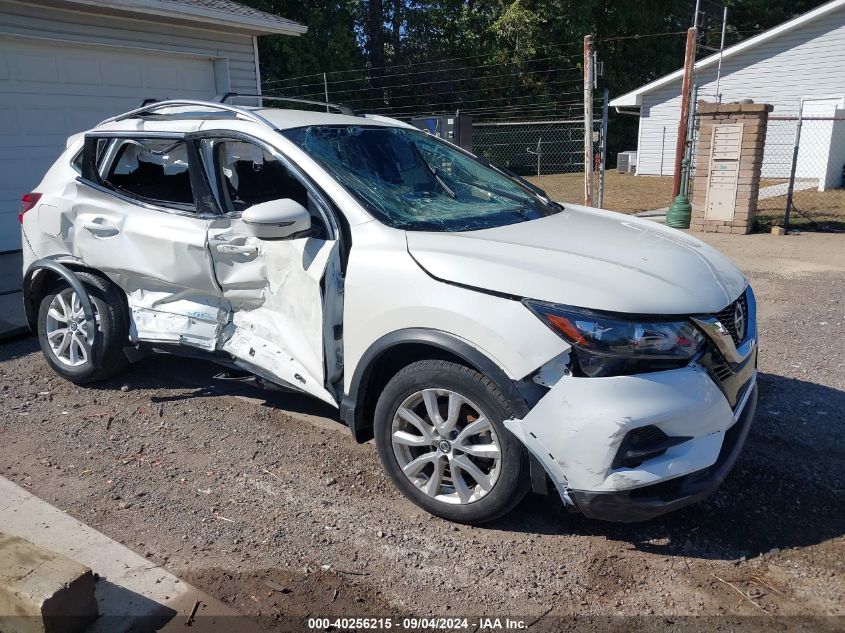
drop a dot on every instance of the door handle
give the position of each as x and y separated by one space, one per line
235 249
101 228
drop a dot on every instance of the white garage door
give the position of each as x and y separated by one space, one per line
49 91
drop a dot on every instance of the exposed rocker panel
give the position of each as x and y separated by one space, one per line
262 353
156 317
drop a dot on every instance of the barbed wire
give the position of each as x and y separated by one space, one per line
430 95
369 69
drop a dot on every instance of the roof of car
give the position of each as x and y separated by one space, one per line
189 115
287 119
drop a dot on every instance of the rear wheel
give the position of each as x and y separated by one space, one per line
63 332
441 438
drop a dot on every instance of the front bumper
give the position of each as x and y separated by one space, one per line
641 504
576 431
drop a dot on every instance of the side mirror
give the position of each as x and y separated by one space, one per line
277 219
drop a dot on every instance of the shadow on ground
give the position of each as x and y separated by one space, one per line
787 489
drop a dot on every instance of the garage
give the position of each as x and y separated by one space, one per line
49 92
65 65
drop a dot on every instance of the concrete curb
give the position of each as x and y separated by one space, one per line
43 591
132 593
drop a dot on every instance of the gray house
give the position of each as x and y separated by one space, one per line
65 65
802 59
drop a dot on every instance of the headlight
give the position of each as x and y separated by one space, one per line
610 345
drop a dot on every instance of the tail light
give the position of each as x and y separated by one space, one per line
27 202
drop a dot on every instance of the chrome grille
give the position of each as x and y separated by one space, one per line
726 317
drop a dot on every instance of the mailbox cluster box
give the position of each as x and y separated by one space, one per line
456 129
724 171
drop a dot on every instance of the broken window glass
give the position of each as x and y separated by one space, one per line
154 170
250 176
412 181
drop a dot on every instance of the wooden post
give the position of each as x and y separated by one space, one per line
683 123
588 120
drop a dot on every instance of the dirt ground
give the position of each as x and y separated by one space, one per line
263 500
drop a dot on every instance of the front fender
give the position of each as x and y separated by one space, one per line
518 393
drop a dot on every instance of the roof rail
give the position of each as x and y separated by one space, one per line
175 103
335 106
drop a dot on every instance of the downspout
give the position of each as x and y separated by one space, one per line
257 68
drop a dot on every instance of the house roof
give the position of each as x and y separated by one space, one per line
634 98
218 13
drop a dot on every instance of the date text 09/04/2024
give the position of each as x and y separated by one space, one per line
420 623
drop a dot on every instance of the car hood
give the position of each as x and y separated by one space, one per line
587 258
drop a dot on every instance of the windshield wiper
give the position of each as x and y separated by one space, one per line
433 171
507 172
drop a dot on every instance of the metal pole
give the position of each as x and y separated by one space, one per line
683 123
539 150
721 50
588 120
603 146
326 89
690 139
791 188
695 18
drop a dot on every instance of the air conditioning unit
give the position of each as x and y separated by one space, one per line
626 162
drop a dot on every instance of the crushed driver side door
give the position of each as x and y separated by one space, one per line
285 295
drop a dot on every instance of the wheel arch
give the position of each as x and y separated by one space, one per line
392 352
44 272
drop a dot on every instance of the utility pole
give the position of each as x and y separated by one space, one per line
683 123
588 120
680 211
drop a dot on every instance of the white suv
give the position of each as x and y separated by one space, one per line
491 340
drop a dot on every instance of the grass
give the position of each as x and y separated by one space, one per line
626 193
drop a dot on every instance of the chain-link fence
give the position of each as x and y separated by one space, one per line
549 153
803 167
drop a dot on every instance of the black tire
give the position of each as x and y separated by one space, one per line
112 330
513 481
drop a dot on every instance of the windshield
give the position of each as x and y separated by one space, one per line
410 180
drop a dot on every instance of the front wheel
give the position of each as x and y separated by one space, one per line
441 438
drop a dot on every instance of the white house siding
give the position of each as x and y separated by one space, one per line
63 71
807 62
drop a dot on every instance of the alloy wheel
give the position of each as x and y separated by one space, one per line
67 330
446 446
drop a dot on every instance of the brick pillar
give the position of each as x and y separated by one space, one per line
717 210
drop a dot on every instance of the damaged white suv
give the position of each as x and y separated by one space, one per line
491 340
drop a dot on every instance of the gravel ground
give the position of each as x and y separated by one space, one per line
263 500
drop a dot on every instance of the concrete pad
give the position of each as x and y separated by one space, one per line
132 592
42 591
11 271
12 316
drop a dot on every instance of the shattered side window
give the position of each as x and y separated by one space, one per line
153 170
411 180
250 176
